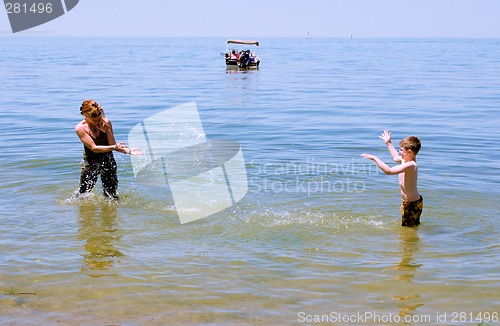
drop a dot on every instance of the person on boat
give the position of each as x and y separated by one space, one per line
251 58
96 133
244 59
234 55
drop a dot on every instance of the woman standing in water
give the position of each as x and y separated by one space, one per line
96 133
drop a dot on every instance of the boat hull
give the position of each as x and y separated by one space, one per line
234 64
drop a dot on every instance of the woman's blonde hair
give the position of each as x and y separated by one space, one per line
90 107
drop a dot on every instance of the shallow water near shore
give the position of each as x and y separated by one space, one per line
317 238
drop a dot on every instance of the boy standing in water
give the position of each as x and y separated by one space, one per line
407 170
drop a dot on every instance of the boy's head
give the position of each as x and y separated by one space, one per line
412 143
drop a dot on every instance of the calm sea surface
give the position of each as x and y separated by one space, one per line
317 239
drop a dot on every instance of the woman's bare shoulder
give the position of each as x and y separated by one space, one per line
82 125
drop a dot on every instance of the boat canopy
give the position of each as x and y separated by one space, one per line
243 42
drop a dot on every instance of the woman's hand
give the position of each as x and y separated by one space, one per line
135 151
121 147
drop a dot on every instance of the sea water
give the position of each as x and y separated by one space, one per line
317 238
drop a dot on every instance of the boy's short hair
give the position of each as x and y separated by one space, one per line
412 143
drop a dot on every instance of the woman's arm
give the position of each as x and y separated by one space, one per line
85 138
119 147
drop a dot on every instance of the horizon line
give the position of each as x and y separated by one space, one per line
56 34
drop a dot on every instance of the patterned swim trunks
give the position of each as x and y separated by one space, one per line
411 211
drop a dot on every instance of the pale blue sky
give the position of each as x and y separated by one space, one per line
281 18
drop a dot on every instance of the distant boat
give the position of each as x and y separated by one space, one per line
308 36
350 36
241 59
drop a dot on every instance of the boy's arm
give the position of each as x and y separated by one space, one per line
386 168
394 152
386 137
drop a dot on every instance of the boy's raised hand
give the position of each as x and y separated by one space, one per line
386 136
